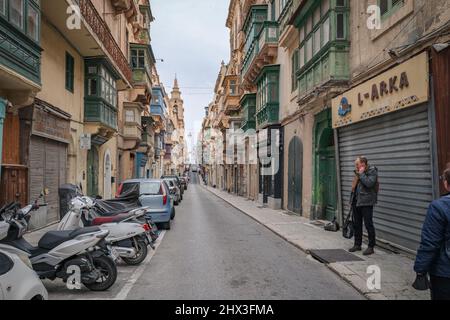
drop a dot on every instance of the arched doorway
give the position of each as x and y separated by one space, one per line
295 174
92 172
107 176
327 182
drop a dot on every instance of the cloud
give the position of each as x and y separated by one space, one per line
191 37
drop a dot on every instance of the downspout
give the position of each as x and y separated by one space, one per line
3 104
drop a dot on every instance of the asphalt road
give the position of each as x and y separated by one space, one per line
216 252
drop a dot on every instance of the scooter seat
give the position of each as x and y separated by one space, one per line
53 239
113 219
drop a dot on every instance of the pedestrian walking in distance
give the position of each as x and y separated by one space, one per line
364 197
433 256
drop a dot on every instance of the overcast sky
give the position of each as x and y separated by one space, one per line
192 39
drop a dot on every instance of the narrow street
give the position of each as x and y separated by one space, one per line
215 252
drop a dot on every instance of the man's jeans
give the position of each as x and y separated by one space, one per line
440 288
365 214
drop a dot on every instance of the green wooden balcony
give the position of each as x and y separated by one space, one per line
97 111
19 53
262 52
248 103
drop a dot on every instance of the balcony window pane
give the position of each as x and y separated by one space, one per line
308 25
16 13
129 116
302 57
92 70
325 6
317 15
33 23
309 49
92 87
340 26
302 34
317 44
233 87
326 31
3 7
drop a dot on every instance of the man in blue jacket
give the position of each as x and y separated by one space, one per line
433 256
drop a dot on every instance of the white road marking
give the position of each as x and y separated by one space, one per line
122 295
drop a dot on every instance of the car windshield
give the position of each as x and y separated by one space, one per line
150 188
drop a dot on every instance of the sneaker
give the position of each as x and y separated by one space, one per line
369 251
355 248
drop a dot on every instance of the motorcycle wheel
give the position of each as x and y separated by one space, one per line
108 271
140 255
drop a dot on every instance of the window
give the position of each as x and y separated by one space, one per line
326 31
389 6
3 7
317 44
92 87
325 7
33 23
302 57
302 34
16 13
129 116
101 83
317 15
309 50
340 3
294 66
138 58
233 87
340 34
70 70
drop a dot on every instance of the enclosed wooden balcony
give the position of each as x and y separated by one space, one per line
262 52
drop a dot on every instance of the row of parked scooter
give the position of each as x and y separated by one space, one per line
85 247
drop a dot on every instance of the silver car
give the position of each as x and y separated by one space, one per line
175 192
18 281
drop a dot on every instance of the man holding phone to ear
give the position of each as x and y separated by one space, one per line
365 196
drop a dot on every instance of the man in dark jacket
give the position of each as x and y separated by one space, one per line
365 196
433 256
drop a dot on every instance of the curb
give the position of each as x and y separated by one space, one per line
361 289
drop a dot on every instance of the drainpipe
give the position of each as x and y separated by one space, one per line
3 104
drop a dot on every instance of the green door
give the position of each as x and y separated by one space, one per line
92 172
328 183
295 174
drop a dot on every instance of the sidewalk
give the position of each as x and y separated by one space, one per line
397 273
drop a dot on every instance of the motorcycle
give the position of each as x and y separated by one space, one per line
60 252
128 239
115 211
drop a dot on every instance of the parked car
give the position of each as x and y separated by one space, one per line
18 280
154 193
174 190
177 178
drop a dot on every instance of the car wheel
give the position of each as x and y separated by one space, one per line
175 203
173 214
166 225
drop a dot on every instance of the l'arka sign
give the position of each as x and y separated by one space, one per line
403 86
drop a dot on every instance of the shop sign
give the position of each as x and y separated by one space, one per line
85 141
403 86
48 125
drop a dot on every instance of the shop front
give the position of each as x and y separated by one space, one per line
388 119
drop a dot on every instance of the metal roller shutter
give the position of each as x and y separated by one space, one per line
398 144
48 166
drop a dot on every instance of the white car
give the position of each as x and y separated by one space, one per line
18 280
